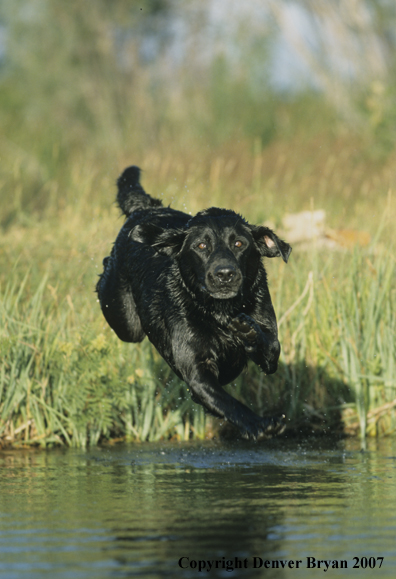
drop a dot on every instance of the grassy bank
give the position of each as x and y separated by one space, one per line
66 378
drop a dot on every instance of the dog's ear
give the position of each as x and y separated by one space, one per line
165 241
269 244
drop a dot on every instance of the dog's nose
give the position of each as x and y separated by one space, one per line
225 273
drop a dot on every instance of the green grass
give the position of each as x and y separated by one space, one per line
61 386
67 379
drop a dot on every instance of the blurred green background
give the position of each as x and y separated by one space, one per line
267 107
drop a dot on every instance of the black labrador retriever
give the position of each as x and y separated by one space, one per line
197 288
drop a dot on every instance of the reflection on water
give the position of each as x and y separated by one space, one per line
167 510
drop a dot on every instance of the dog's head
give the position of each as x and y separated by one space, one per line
218 252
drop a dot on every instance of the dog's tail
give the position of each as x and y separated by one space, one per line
131 195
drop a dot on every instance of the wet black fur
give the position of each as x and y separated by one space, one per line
196 286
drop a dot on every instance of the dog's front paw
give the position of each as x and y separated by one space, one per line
244 327
263 427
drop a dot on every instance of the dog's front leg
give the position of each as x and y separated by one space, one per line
261 347
206 390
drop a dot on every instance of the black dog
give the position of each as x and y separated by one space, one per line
197 288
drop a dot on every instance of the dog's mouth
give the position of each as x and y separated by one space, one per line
220 294
224 295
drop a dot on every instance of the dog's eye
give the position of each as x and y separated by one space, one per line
238 243
202 245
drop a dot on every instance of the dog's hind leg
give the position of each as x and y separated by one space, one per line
118 305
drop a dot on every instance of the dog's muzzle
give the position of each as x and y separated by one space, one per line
224 281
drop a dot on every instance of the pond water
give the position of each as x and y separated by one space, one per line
273 509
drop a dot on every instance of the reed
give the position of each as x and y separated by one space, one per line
60 386
66 379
